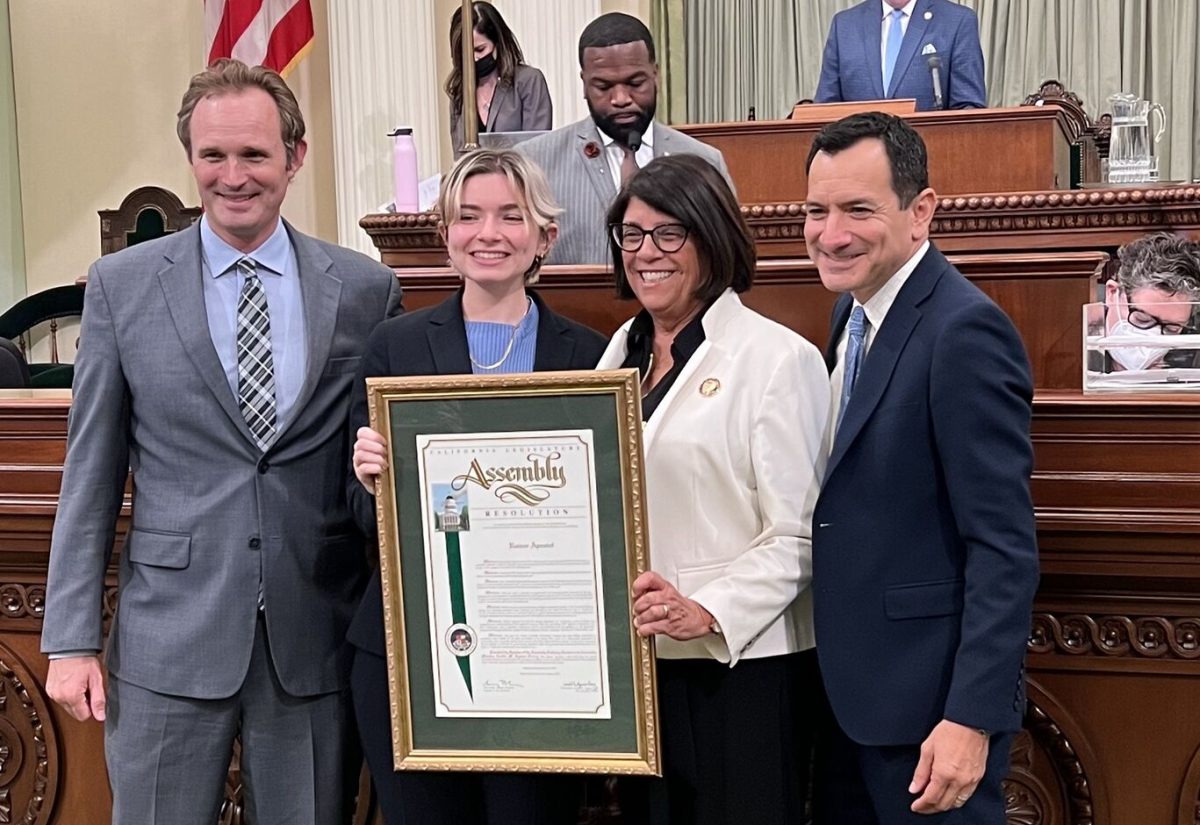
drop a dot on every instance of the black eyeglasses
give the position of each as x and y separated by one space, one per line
1142 319
668 237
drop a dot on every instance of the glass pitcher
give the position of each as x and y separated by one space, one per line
1129 153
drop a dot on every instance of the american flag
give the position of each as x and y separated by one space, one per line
272 33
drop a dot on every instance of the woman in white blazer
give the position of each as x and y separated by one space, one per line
735 408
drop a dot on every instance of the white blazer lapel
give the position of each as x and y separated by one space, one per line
705 356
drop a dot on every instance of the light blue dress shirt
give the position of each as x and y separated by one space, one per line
279 273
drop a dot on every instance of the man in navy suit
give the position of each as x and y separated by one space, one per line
882 48
924 550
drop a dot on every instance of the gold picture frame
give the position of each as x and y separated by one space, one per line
445 604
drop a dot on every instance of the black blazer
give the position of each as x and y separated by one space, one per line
433 341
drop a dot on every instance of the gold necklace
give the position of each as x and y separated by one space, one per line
649 373
512 339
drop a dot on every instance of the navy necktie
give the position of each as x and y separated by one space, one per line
856 337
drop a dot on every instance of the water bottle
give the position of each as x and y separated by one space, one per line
404 170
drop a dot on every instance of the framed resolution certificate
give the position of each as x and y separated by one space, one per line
511 527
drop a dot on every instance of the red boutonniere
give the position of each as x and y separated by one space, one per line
591 149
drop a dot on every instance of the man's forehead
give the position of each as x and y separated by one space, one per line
239 108
617 57
849 171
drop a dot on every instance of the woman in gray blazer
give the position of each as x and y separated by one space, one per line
509 95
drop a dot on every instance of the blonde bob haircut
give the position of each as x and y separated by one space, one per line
523 175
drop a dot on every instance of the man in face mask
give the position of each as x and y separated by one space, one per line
587 162
1153 296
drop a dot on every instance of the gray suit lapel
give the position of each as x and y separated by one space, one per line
183 290
596 167
320 290
662 141
503 90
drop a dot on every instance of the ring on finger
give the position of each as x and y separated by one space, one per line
960 800
666 611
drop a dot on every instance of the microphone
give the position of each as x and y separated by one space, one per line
634 140
934 62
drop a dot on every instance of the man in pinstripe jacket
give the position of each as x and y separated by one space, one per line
586 162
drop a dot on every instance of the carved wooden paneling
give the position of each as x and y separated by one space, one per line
29 757
1097 220
1053 777
1028 800
1189 795
1147 637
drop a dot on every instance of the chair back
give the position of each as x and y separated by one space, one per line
49 305
14 372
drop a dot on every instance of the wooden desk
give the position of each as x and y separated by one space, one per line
970 150
1041 293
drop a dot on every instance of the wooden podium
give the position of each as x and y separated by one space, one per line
970 150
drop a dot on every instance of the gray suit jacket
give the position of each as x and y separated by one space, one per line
522 106
151 398
583 185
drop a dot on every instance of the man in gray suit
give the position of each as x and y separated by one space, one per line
215 365
586 162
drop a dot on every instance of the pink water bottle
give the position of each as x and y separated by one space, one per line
404 170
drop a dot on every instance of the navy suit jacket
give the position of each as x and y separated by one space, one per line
851 68
924 550
433 341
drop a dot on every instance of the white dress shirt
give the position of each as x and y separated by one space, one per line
876 309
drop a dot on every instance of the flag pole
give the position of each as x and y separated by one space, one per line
469 105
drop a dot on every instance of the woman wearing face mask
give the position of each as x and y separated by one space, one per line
509 95
498 224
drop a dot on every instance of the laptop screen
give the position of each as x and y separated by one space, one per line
505 140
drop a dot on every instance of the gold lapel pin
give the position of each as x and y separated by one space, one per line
710 387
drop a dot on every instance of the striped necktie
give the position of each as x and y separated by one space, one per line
856 336
629 165
255 365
